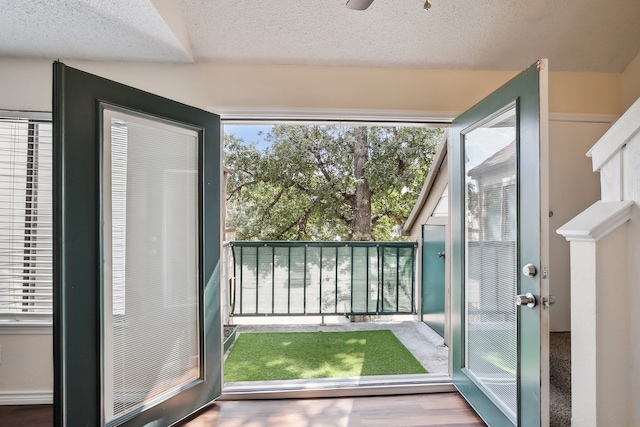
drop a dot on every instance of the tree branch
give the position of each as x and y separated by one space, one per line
271 205
243 185
307 213
321 164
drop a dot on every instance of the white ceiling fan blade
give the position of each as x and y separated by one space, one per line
359 4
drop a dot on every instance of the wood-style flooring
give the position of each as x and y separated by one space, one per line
438 409
26 416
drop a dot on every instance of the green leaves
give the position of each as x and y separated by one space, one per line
305 185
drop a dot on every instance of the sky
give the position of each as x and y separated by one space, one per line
249 133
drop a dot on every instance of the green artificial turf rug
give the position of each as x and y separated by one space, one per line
299 355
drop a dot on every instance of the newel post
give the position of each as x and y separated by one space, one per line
600 314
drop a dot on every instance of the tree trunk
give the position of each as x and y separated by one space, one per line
362 208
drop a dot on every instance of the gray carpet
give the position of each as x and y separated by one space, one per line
560 379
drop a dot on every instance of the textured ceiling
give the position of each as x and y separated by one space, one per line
576 35
125 30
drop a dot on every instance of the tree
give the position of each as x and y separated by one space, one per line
324 182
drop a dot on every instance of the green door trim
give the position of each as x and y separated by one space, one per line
77 253
524 90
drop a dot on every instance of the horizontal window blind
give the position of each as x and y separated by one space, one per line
151 254
25 219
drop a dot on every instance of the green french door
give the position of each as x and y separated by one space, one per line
499 252
137 334
433 276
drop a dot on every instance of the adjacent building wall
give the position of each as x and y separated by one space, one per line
437 193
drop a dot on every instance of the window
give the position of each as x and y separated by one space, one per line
26 229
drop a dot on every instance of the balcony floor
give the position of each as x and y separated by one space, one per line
425 345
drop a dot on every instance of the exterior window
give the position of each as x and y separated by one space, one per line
25 219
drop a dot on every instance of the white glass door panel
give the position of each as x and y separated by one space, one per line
151 251
490 258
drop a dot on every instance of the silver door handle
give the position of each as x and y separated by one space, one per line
527 299
529 270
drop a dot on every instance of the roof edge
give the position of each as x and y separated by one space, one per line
436 165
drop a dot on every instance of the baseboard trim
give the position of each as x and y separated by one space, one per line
26 397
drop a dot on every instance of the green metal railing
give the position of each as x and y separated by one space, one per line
323 278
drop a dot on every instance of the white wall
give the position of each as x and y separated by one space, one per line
26 368
631 83
26 85
573 186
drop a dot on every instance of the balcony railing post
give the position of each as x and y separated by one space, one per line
413 279
398 279
289 280
351 280
304 281
382 281
320 296
336 293
366 290
233 254
257 277
378 308
241 281
273 279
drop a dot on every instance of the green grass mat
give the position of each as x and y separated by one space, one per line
298 355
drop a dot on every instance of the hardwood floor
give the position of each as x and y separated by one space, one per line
438 409
26 416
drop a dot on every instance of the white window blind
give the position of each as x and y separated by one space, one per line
25 219
151 257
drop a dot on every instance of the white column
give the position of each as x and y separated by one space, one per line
600 315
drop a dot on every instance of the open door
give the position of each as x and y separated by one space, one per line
433 276
500 252
137 334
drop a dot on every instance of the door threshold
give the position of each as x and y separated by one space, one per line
378 385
